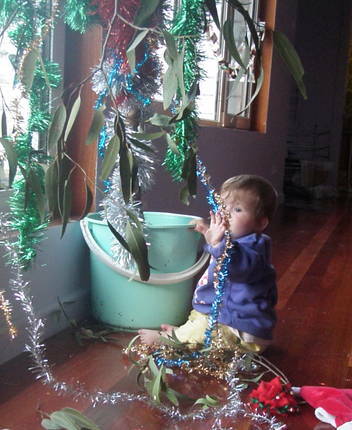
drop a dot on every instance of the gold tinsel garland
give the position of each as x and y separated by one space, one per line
7 312
216 362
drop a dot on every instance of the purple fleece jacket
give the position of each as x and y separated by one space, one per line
250 292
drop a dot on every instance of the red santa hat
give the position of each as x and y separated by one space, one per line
332 405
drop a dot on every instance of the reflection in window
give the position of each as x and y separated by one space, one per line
225 92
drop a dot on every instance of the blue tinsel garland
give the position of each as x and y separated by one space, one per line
219 293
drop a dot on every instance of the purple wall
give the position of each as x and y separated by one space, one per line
321 34
228 152
322 38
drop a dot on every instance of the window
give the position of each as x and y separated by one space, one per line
225 92
9 97
15 109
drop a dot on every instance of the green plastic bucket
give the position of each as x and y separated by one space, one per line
120 298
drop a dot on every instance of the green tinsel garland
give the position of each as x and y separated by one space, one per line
188 21
27 23
78 14
25 216
40 117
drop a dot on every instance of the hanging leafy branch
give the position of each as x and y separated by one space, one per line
177 127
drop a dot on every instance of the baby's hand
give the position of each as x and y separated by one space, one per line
201 226
216 230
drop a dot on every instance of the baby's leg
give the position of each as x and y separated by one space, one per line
149 337
152 337
191 332
168 328
233 337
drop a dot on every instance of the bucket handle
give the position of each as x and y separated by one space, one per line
155 278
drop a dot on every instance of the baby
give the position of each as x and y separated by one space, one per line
247 316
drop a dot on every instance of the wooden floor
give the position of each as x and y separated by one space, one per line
312 252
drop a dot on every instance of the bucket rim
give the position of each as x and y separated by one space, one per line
153 227
155 278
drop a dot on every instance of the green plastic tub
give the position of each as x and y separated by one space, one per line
120 298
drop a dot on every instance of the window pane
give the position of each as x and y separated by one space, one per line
209 86
14 107
11 100
9 94
240 89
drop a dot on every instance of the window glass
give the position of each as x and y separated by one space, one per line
14 106
11 101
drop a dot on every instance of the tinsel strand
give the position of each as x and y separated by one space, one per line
26 217
79 14
132 93
189 21
6 309
220 275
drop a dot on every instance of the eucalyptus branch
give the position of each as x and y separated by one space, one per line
100 66
84 173
90 75
41 412
9 22
72 322
259 359
109 89
71 171
111 22
80 84
186 36
152 29
108 35
155 29
4 104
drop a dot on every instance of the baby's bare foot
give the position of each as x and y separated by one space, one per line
149 337
167 328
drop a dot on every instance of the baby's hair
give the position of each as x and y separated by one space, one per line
264 193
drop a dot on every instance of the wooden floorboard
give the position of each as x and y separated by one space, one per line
297 270
312 252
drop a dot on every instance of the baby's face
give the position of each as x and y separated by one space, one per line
241 210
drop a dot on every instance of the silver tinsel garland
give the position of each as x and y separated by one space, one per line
110 82
131 91
145 159
114 210
114 206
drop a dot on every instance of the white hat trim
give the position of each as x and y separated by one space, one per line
325 417
346 426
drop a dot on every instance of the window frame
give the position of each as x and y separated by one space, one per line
257 120
78 64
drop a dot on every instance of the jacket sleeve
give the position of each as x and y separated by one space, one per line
216 251
246 264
